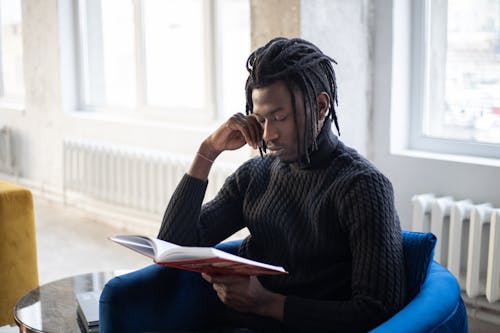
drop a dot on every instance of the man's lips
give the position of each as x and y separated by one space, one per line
276 150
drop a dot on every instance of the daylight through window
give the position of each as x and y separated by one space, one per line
175 57
11 50
464 71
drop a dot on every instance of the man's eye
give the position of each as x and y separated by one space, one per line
261 120
280 118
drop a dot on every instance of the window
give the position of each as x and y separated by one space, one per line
175 53
456 77
169 57
11 52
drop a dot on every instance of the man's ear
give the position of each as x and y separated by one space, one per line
323 105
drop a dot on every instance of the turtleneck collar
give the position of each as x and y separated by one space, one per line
327 143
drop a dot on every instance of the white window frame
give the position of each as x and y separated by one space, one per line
15 103
419 99
213 73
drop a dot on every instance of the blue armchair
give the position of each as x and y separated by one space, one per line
158 298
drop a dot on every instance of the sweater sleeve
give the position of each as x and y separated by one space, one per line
367 215
187 222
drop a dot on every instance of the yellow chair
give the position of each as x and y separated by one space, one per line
18 261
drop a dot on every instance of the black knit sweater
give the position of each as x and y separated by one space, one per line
332 225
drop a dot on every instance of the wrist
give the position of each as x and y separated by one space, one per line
207 152
274 307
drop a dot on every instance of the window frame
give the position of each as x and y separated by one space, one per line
213 74
419 99
11 102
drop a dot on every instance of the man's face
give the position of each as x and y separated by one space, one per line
272 106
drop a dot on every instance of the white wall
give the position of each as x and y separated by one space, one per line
372 79
50 113
415 172
38 127
342 30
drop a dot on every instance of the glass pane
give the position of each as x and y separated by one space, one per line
471 106
234 25
175 53
108 53
11 42
119 52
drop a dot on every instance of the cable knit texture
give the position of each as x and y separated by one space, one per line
332 225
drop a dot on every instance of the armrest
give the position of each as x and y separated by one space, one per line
156 298
437 305
159 298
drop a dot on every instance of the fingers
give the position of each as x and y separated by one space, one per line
234 133
222 284
249 127
240 123
255 129
231 290
224 279
246 294
208 278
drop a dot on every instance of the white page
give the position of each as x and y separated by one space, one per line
161 247
145 245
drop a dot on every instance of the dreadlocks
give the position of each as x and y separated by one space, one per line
300 64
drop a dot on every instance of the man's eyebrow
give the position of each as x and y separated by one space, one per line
269 113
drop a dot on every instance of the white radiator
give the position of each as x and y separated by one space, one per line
6 152
468 241
130 177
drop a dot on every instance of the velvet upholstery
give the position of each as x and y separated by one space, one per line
157 298
418 248
438 307
18 261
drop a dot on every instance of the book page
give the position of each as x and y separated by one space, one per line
161 247
186 252
210 260
223 266
199 259
150 247
139 244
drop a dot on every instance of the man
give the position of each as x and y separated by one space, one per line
312 205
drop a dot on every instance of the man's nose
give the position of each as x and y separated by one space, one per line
270 132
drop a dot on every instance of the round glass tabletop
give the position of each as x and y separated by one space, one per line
52 307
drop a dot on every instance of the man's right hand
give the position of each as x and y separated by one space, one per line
232 135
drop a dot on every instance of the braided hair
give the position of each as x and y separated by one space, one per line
300 64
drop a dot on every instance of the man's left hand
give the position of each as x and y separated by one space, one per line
246 294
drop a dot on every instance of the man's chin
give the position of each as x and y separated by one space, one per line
287 159
284 155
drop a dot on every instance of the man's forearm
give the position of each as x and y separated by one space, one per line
275 308
202 162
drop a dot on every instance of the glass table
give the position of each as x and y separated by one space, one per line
52 307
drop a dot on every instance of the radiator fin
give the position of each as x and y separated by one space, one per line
128 176
6 152
468 240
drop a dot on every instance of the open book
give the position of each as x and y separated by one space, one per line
199 259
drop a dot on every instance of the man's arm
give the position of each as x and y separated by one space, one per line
184 221
231 135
